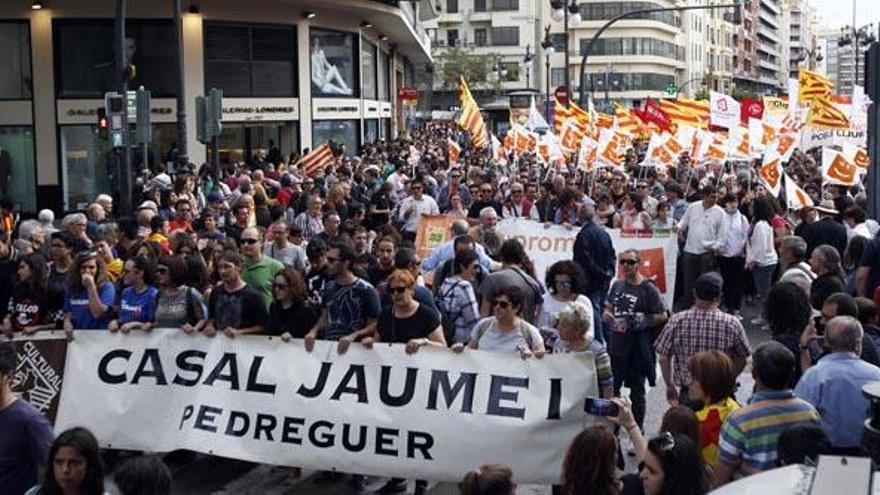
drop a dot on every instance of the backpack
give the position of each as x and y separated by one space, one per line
447 314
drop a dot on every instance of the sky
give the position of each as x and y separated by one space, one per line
836 13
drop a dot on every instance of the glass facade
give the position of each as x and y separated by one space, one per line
600 11
384 77
334 63
17 181
250 60
634 46
345 132
369 67
84 59
371 130
240 143
15 78
632 81
88 162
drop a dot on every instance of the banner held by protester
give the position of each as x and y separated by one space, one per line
378 412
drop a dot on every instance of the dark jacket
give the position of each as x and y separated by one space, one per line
826 231
594 253
824 285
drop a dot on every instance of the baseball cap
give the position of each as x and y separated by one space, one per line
708 286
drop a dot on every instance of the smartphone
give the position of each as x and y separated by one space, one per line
600 407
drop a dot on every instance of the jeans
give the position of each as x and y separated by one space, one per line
763 279
598 299
732 273
635 382
693 265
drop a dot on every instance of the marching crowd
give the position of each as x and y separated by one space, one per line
264 248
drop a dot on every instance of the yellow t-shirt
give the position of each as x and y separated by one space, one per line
114 269
711 418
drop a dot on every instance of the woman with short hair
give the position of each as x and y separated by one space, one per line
506 331
573 324
713 381
178 305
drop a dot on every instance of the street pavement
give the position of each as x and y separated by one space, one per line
217 476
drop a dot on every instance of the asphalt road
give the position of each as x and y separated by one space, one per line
212 475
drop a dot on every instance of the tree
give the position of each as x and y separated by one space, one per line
453 62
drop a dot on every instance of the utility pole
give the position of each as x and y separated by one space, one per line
182 149
126 186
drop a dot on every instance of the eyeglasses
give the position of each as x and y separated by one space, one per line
397 290
516 191
249 241
629 262
641 186
501 303
280 286
486 190
161 270
563 283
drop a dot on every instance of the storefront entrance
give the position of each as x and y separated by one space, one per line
241 142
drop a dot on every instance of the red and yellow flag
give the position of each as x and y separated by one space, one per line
825 115
471 119
812 85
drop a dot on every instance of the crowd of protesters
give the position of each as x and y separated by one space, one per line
264 248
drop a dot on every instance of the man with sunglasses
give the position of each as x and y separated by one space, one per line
452 187
258 271
518 206
414 206
633 311
486 199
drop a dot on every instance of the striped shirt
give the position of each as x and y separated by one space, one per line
748 436
604 375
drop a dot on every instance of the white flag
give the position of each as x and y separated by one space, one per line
723 110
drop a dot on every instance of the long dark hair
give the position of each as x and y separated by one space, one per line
81 440
74 279
683 472
589 465
35 285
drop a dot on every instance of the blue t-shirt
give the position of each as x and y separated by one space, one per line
78 307
138 306
349 307
25 439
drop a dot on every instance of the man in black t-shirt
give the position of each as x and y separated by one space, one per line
235 307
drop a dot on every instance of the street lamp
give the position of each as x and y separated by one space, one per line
527 60
549 50
809 56
570 14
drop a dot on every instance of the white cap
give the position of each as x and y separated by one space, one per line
149 205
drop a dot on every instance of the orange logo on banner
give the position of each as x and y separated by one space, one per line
743 147
662 155
769 133
842 170
802 199
861 158
652 267
715 152
674 146
785 142
770 173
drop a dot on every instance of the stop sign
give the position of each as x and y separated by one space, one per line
562 95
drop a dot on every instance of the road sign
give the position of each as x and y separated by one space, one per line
671 89
561 94
131 101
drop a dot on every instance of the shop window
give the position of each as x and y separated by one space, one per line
339 131
85 154
15 79
334 64
85 65
250 60
370 70
384 77
371 130
17 181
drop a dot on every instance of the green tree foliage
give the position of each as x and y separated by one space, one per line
477 69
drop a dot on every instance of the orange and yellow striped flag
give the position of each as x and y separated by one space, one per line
812 85
560 113
471 119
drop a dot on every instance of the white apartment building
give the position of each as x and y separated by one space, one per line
800 20
634 59
509 31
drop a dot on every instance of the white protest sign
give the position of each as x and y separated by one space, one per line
724 111
433 415
556 243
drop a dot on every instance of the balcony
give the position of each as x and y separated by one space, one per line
771 6
770 35
769 65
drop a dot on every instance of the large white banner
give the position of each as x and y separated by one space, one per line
432 415
546 246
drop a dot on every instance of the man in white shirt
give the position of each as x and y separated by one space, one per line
702 221
414 206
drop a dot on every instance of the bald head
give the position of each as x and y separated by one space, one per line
844 334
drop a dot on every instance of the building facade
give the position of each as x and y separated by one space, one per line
761 66
635 59
505 34
294 73
801 21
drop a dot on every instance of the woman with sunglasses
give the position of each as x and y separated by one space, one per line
90 295
137 306
74 466
290 314
505 331
178 305
565 279
672 466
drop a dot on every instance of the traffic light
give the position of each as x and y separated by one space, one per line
103 122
